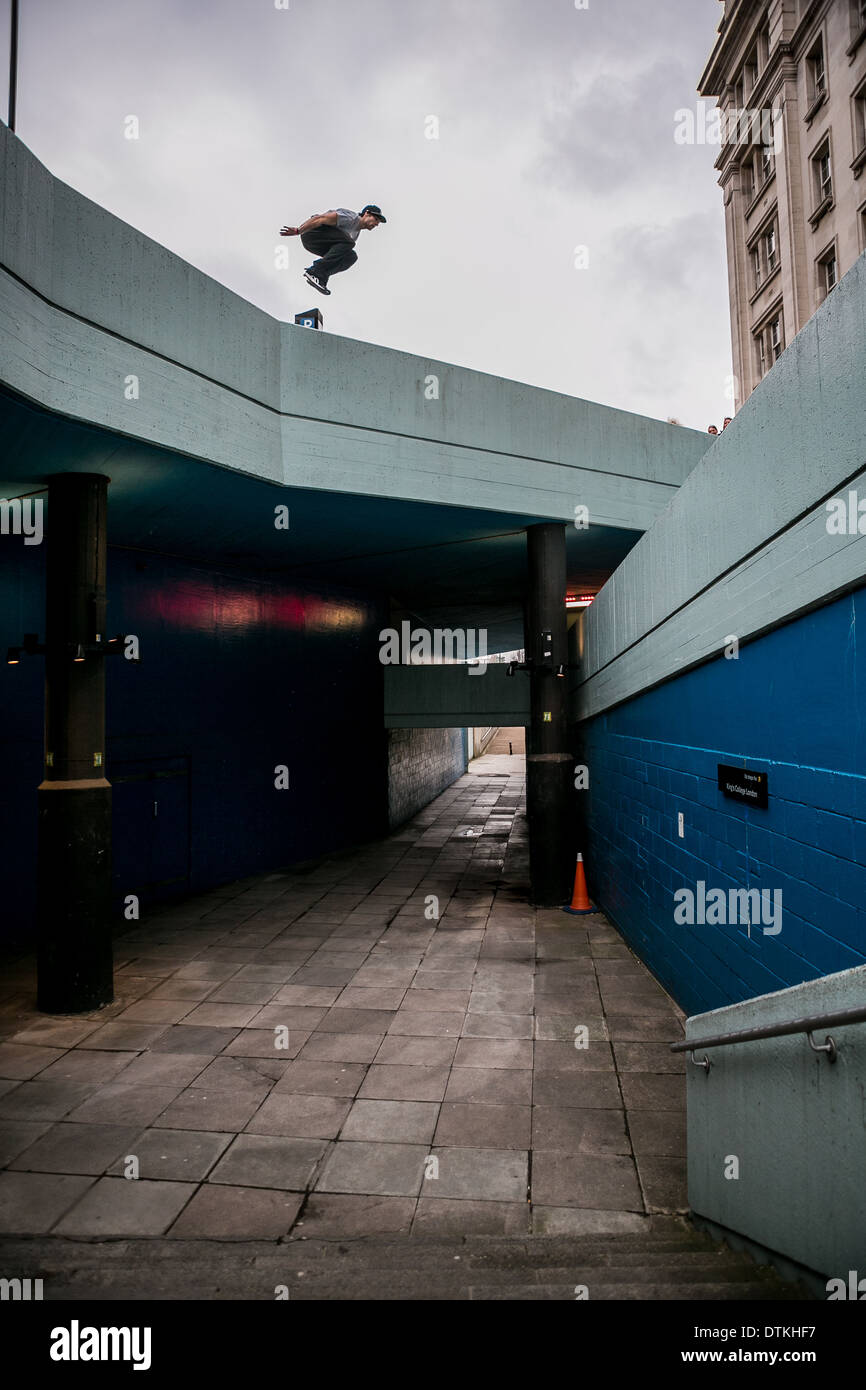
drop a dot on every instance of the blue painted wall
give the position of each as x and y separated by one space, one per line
793 705
237 676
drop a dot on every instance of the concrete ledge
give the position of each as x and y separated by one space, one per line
793 1121
87 301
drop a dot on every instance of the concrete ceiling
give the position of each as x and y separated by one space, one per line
440 565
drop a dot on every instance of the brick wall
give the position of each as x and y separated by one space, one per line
421 764
790 707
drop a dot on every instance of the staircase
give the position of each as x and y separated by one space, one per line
670 1261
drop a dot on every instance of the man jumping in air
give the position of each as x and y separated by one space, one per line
331 236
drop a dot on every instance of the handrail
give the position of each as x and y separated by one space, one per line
774 1030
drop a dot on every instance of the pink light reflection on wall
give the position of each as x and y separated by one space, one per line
207 607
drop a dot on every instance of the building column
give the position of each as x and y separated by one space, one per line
548 761
74 861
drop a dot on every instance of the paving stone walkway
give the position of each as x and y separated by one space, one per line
382 1043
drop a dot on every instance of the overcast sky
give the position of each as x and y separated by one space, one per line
555 131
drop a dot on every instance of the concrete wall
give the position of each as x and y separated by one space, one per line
237 677
742 552
421 764
441 697
792 1120
481 739
87 301
744 545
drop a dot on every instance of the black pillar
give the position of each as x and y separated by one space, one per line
548 762
74 888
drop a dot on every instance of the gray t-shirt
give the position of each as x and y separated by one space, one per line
349 222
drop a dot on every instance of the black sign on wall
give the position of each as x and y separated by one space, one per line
740 784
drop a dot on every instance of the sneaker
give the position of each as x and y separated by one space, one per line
316 283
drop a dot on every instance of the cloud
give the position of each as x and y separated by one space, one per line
669 259
616 130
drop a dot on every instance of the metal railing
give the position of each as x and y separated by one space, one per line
805 1025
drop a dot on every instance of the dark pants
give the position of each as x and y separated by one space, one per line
335 249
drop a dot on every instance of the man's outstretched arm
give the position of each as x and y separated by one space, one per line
322 219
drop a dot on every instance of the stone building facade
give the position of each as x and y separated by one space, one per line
789 77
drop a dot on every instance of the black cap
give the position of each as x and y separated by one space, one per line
377 212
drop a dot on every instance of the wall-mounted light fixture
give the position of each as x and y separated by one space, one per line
79 651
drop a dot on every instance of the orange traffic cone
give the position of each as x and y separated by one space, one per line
580 903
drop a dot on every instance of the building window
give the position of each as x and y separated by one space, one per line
858 15
750 72
764 45
757 271
859 100
817 73
767 162
822 174
747 180
769 345
764 254
825 179
828 273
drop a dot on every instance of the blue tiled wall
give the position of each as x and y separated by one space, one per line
793 705
237 676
